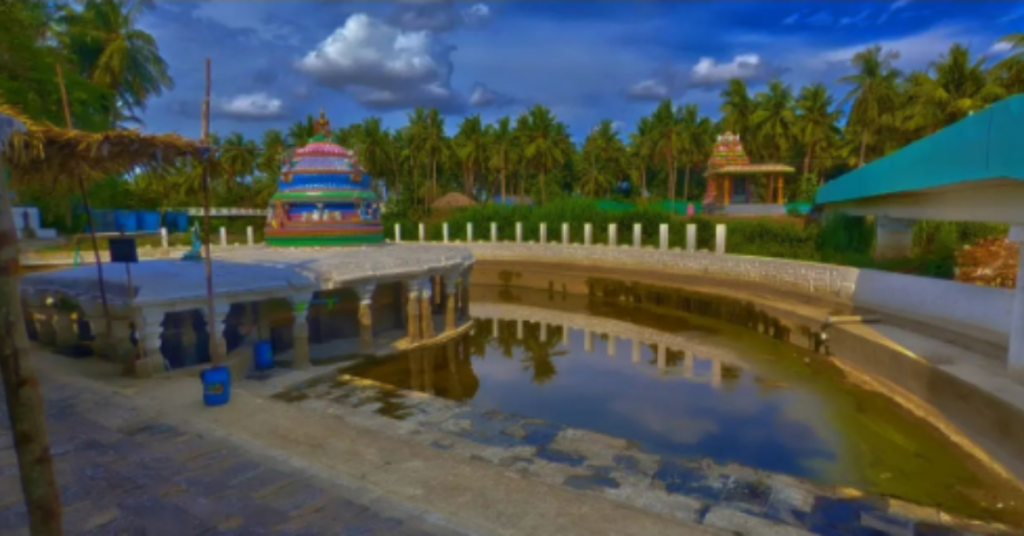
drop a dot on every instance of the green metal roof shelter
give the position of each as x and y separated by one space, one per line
972 170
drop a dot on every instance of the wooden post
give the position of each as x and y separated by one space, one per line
216 356
779 190
726 190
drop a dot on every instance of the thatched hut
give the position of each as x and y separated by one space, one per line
453 200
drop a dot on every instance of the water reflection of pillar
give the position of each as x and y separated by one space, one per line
451 289
412 311
365 293
716 372
611 345
428 372
688 365
426 310
636 350
565 335
452 355
519 329
662 357
588 341
415 370
543 332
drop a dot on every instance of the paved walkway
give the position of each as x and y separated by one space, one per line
154 479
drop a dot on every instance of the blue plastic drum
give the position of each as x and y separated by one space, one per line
216 386
263 356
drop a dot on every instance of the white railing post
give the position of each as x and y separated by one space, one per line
494 232
565 234
613 234
469 232
444 230
691 237
588 234
250 238
638 235
223 236
720 238
423 232
398 233
543 233
164 241
519 232
663 237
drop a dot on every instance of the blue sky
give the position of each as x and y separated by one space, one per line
275 62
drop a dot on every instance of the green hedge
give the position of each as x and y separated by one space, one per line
844 240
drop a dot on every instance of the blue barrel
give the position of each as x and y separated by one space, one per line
216 385
263 355
147 221
176 222
124 221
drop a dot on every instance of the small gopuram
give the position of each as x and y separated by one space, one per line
732 178
324 198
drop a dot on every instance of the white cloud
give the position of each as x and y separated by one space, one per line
893 7
707 72
649 90
483 97
999 48
251 106
477 14
845 21
382 65
246 16
439 15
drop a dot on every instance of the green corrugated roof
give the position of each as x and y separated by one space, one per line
325 195
986 145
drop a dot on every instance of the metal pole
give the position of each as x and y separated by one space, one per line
211 321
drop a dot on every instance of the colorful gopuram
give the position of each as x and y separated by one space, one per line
730 175
324 198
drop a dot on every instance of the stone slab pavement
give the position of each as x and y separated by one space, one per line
153 479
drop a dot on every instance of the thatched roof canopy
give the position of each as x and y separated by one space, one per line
47 152
453 200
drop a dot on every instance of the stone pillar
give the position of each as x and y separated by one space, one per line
300 331
494 232
663 237
662 357
148 327
263 327
611 345
451 296
726 190
543 233
444 230
469 232
519 232
215 329
720 238
412 308
894 238
691 237
565 234
613 234
365 292
636 350
423 232
121 349
223 236
1016 357
250 237
780 190
426 310
164 239
588 341
588 234
64 328
638 235
398 233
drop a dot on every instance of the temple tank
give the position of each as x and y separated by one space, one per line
216 386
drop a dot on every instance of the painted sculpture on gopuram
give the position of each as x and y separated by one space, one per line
324 198
730 176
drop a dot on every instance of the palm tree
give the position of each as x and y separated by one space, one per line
665 123
238 157
602 160
471 150
641 150
374 149
816 118
544 143
960 87
116 55
874 93
774 119
300 132
696 136
737 109
427 137
501 141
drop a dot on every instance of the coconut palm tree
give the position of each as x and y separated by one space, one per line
874 94
374 149
115 54
816 118
737 109
300 132
238 157
665 123
959 87
696 137
774 119
471 151
501 142
602 161
641 151
544 143
427 137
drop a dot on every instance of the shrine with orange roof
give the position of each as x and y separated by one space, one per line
736 186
